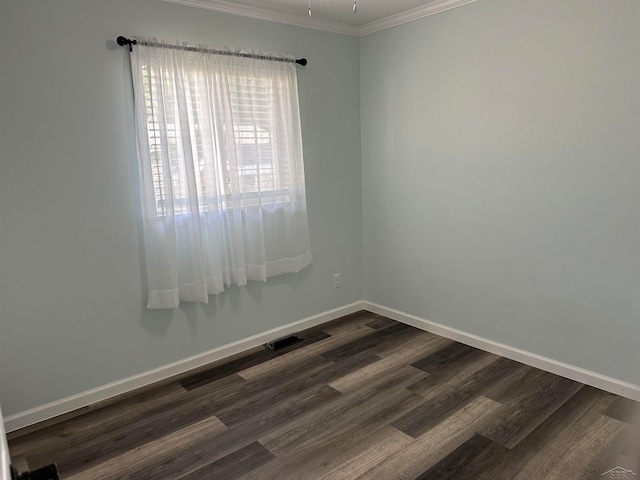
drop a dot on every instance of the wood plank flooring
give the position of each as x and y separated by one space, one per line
363 397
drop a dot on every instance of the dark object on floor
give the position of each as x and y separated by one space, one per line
50 472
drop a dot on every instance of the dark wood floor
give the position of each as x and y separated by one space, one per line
361 398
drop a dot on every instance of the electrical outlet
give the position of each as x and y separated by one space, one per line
337 280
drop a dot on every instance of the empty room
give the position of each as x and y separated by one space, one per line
325 239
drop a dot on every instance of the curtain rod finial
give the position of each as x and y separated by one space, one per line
122 41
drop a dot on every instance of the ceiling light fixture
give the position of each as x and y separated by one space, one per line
355 7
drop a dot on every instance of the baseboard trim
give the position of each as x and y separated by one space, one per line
105 392
581 375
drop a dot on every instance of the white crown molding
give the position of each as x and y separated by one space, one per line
271 16
259 13
431 8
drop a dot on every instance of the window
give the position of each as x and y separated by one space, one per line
220 169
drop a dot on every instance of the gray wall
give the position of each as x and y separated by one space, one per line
72 293
501 175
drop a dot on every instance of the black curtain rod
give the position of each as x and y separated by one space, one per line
122 41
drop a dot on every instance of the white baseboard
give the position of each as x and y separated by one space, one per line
581 375
104 392
90 397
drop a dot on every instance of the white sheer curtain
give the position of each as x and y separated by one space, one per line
220 169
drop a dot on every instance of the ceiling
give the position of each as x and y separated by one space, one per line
339 10
332 15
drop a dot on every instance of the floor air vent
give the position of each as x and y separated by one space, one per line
283 342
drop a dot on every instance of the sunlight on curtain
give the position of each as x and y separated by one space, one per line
220 169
